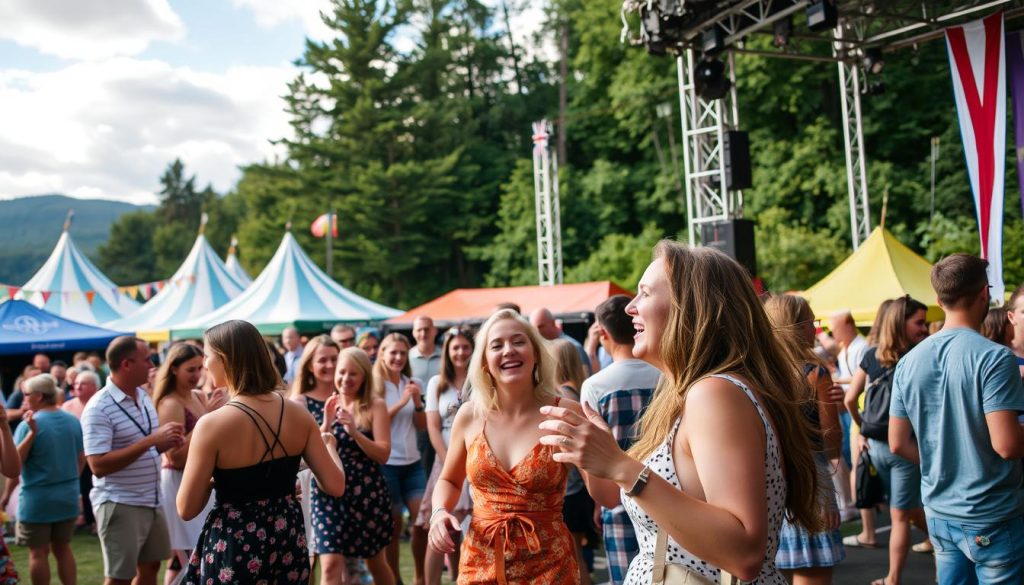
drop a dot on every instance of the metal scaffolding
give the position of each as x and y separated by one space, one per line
704 124
853 133
549 223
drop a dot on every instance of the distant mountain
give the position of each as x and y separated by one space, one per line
30 226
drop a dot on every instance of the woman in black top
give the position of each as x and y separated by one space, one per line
251 451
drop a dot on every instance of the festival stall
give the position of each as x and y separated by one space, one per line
26 329
291 292
571 302
70 285
201 285
882 268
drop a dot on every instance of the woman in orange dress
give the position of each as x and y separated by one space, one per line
517 535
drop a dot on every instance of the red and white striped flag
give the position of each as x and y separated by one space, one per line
978 62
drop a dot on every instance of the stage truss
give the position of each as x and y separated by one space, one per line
886 25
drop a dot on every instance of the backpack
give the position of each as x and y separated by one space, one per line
874 422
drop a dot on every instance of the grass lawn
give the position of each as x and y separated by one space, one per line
90 561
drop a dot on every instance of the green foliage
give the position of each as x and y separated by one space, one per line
128 256
791 256
619 258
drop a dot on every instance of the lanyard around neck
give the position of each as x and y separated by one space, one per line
149 421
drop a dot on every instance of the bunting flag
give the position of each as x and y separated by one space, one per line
90 295
977 61
46 296
12 290
319 226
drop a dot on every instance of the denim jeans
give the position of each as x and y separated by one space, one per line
970 553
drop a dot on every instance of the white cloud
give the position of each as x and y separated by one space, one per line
89 29
270 13
110 128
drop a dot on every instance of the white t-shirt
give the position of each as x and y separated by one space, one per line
850 356
403 433
446 405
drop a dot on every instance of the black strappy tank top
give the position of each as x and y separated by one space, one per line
271 478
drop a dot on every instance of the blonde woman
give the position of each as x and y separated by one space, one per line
251 449
404 473
358 524
809 558
517 535
718 496
312 386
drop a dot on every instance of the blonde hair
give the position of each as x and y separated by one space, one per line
719 326
365 397
787 313
304 380
568 365
380 369
485 393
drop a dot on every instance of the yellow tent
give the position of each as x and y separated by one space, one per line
882 268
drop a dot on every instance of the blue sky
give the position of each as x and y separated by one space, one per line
100 95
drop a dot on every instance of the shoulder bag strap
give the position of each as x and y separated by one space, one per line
660 553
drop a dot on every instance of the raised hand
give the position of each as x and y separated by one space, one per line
331 408
218 397
347 421
583 439
27 418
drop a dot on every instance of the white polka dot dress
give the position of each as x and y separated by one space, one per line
661 463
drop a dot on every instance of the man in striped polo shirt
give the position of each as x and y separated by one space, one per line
123 442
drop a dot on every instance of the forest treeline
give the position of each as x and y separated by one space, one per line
425 155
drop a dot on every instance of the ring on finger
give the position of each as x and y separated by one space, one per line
564 441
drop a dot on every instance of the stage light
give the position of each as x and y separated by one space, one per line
781 29
662 21
873 61
710 79
713 41
822 16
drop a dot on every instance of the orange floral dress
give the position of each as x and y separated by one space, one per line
516 535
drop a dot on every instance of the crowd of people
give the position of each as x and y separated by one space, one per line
699 434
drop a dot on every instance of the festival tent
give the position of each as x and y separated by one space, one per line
201 285
291 292
70 285
476 304
235 267
882 268
24 328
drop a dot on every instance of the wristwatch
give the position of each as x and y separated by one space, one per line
640 483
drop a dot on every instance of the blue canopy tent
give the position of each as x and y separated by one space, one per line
25 328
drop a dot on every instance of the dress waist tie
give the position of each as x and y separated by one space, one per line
496 532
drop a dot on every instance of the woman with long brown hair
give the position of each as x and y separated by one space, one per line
808 557
516 535
443 400
901 325
405 475
177 399
312 386
356 525
251 449
703 497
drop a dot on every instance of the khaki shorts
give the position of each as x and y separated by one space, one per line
130 536
38 534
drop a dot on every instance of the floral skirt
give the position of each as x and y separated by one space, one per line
260 542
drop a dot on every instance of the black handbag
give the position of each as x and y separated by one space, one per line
870 490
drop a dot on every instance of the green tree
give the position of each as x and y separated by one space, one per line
128 256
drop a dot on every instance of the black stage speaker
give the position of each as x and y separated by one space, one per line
736 151
735 237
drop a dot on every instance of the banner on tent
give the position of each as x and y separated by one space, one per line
146 290
978 66
1015 71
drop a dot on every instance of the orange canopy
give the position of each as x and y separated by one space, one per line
474 304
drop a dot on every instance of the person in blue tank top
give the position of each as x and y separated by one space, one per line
249 451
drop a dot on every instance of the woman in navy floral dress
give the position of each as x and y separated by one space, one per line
358 524
251 449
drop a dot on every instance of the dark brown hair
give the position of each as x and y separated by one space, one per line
892 342
611 316
247 363
995 325
121 349
447 374
958 277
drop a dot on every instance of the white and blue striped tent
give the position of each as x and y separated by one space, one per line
71 286
201 285
235 267
291 292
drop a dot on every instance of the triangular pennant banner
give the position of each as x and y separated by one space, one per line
12 290
46 296
160 284
133 291
90 295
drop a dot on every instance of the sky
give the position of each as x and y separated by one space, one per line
97 97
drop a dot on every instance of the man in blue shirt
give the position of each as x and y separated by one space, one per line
955 402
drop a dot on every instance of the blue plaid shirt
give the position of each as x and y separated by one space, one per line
620 393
